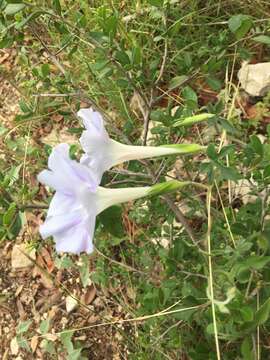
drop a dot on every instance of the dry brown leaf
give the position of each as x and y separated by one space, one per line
89 296
21 311
48 261
34 343
45 279
57 117
19 290
3 58
51 337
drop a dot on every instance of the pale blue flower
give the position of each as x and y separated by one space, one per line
78 200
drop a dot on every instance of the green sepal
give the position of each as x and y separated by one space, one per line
185 148
167 187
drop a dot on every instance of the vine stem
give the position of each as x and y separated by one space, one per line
209 226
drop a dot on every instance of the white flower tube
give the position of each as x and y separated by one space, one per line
108 197
101 152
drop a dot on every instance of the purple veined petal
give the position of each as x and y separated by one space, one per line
60 223
85 174
77 239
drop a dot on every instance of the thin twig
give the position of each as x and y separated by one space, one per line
147 119
127 267
50 54
57 95
181 218
211 286
32 206
164 58
129 173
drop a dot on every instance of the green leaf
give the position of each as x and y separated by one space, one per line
111 219
24 107
226 125
192 120
136 55
229 173
32 16
190 96
110 25
63 262
57 6
23 343
210 329
75 354
263 39
23 327
156 3
257 145
122 57
12 9
247 349
16 225
247 313
257 262
240 25
167 187
13 174
44 326
177 81
45 70
65 338
211 152
263 313
9 215
3 130
48 346
214 83
6 42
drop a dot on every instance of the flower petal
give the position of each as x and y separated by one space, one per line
66 174
93 121
62 204
60 223
49 178
66 168
77 239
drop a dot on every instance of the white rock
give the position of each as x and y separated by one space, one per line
18 259
255 78
71 304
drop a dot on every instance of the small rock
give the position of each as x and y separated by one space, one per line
71 304
255 78
18 259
